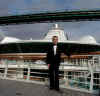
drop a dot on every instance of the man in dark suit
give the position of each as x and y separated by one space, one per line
53 61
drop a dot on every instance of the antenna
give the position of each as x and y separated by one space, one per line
56 25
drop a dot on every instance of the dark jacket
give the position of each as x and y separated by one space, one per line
51 58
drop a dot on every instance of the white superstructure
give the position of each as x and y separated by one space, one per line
88 39
56 31
9 39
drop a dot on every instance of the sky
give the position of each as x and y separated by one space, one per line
75 30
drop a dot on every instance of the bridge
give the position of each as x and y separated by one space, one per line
57 16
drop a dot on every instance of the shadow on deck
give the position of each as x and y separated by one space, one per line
17 88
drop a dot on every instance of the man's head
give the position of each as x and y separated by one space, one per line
55 39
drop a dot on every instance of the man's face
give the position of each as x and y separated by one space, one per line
55 40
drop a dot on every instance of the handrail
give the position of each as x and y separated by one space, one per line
85 77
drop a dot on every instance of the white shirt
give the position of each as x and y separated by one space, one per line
55 48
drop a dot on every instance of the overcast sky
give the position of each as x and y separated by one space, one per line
75 30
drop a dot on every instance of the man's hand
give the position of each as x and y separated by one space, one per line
48 65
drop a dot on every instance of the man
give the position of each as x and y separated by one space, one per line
53 61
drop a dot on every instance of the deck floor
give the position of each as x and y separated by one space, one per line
19 88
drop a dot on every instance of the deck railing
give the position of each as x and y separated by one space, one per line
81 74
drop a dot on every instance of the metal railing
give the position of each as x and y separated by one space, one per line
82 74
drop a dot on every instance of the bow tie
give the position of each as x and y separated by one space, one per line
54 44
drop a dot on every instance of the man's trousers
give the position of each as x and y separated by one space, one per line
54 76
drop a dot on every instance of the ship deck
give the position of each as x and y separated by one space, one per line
19 88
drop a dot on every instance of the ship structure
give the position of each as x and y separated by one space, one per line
81 71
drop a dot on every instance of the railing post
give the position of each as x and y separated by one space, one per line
19 70
64 70
99 61
91 71
28 72
6 69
